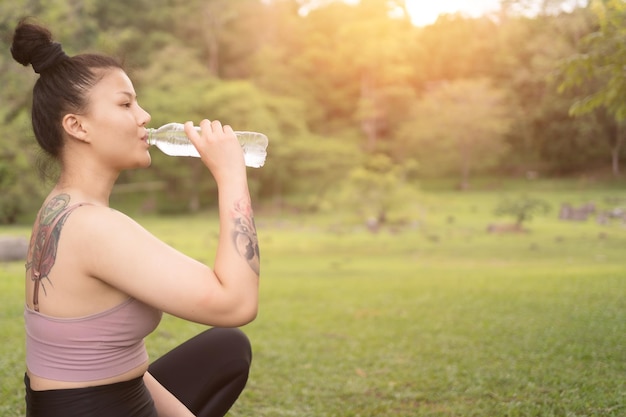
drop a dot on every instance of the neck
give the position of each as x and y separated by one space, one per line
87 185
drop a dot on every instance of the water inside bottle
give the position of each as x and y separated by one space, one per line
174 146
173 141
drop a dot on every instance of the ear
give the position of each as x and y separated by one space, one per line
73 126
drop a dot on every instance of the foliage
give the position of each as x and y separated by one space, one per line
457 127
332 83
604 58
602 61
456 47
522 209
20 182
378 192
544 136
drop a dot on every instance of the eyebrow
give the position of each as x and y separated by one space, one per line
126 93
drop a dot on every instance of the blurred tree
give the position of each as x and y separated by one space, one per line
455 47
544 137
20 184
352 64
457 126
539 7
603 60
21 162
522 208
378 192
326 80
225 34
380 66
329 82
281 37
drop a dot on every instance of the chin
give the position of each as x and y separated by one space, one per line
144 162
147 162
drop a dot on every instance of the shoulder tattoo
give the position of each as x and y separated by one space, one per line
45 239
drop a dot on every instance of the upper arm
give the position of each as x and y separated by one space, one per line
123 254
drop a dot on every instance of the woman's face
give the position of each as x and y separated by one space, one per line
115 123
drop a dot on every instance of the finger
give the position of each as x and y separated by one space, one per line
190 131
229 131
205 126
217 126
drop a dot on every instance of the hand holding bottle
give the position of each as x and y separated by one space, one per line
218 147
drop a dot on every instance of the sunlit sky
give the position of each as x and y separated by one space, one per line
424 12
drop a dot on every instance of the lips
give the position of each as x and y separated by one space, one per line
144 139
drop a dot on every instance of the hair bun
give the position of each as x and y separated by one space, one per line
47 57
33 45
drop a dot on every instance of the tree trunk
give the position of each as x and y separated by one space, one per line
466 164
465 173
615 150
211 31
369 122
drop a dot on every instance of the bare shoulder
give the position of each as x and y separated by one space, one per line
98 216
118 251
105 237
100 225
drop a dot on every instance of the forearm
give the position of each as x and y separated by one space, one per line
166 403
237 262
238 243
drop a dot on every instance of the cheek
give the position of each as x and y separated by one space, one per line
104 128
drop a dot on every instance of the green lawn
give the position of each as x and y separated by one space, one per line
437 318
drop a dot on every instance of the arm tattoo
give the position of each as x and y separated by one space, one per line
244 235
43 254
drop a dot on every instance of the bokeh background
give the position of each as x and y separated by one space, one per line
358 101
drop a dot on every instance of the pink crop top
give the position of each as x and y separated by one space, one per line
98 346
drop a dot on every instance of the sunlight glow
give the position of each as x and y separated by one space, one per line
425 12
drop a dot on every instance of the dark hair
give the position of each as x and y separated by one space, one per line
63 83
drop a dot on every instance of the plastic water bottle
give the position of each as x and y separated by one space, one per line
172 140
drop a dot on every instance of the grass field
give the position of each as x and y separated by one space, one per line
437 318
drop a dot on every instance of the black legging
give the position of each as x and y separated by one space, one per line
208 372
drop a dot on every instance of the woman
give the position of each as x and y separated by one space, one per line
97 282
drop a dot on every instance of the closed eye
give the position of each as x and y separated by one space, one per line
127 99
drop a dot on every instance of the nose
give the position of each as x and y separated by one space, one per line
144 117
